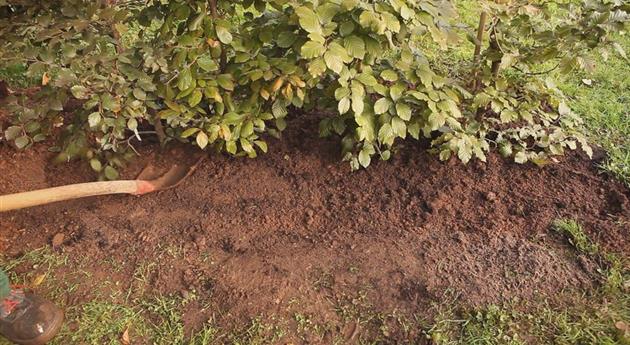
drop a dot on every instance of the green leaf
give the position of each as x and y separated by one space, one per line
355 46
94 119
279 109
382 105
399 127
286 39
397 90
247 129
389 75
110 103
225 81
344 105
12 132
281 124
202 139
207 63
262 145
317 67
79 92
190 131
367 79
195 98
336 56
185 79
132 124
358 94
111 173
230 147
312 49
403 111
224 34
364 158
346 28
333 61
246 145
342 92
308 19
96 165
22 142
139 94
520 157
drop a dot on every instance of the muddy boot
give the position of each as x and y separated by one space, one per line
29 320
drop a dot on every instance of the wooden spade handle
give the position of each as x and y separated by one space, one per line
73 191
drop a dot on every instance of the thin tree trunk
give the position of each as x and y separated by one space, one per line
480 30
495 46
476 57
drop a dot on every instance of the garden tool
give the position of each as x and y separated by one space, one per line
148 181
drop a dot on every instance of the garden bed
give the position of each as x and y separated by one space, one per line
295 231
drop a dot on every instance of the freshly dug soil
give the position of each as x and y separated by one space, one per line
296 230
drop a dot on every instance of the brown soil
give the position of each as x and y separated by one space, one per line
296 230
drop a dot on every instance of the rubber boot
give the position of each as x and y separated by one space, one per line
26 319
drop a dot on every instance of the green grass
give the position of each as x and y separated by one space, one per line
615 271
576 236
605 106
570 318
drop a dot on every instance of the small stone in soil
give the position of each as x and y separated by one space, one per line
57 240
491 196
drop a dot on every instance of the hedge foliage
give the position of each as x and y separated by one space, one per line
225 74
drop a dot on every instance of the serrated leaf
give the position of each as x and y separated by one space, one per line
279 109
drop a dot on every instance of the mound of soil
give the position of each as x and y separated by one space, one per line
295 229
